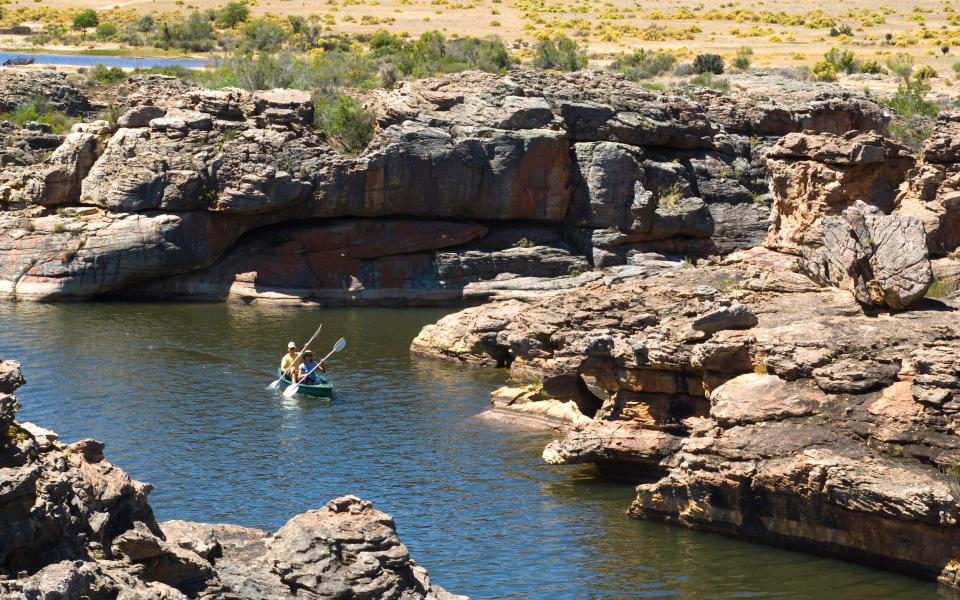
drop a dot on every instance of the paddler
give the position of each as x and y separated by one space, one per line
309 368
290 363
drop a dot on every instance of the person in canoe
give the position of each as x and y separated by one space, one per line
290 364
312 367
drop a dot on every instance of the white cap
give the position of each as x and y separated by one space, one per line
291 345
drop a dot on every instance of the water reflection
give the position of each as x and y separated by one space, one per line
177 392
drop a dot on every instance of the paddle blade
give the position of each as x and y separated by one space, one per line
340 345
290 391
274 384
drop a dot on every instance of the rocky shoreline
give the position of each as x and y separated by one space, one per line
743 303
803 392
73 526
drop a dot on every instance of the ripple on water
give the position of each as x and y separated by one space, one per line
177 393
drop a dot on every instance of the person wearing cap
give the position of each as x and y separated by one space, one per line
290 363
312 367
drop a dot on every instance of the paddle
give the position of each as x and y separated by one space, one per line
340 345
276 383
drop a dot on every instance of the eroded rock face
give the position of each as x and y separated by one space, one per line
161 204
814 176
932 190
73 526
746 399
881 258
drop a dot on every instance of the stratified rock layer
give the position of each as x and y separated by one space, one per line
748 400
74 527
192 189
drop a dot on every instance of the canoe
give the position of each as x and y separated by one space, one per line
323 390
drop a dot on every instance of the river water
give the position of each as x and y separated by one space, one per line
90 60
177 393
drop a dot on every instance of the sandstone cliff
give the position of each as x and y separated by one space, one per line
229 194
73 527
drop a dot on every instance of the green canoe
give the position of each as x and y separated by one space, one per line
323 390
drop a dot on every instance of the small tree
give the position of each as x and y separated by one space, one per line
901 65
84 20
232 14
708 63
744 58
560 53
145 24
105 31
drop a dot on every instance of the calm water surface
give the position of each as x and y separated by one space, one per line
89 60
176 392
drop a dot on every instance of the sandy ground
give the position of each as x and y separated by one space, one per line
614 26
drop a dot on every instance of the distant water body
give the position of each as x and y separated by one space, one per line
89 60
177 393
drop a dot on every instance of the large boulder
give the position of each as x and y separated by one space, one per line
881 258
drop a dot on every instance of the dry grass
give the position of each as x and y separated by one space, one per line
781 34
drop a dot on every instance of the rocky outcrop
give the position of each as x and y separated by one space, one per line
184 196
881 258
18 87
746 399
932 190
74 526
814 176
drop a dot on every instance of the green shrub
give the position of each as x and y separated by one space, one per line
842 60
105 75
105 31
914 113
41 111
263 34
559 53
232 14
643 65
842 30
708 63
871 66
145 24
901 65
824 71
711 81
926 72
195 33
344 121
743 58
956 68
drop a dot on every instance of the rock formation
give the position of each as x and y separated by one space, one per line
74 526
813 176
881 258
747 399
932 190
215 194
